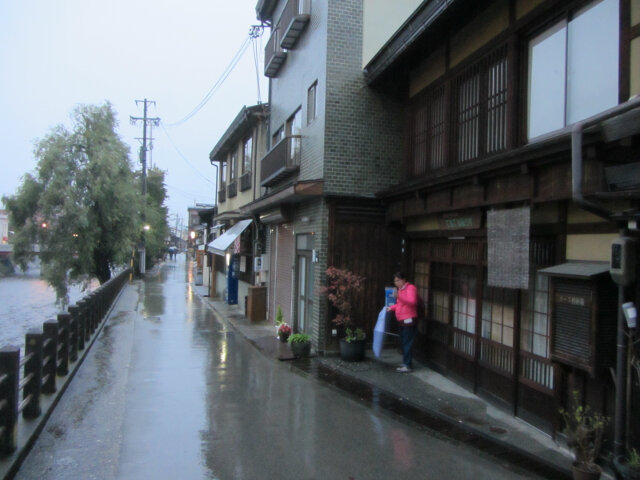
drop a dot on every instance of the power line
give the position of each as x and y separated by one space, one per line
256 32
182 156
234 61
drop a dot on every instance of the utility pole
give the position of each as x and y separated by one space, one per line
143 159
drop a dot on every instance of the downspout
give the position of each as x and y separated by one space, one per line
577 171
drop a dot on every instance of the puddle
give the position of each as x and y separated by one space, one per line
439 422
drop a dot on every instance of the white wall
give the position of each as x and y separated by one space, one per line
382 19
4 226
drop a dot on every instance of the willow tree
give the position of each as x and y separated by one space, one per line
155 216
80 205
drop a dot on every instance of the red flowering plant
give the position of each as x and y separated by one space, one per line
284 330
341 290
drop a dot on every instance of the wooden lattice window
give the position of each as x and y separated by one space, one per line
498 315
464 298
439 300
421 277
480 115
428 148
462 119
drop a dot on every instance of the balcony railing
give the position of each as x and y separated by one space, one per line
294 19
222 194
274 56
232 189
281 161
245 182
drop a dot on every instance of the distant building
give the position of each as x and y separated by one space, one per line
236 239
4 226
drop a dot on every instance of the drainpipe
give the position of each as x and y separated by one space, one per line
576 173
578 198
621 378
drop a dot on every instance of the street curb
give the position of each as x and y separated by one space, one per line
30 430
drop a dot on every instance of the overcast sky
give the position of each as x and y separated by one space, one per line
57 54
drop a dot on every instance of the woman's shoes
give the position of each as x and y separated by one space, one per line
404 369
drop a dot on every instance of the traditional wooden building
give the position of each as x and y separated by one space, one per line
520 166
236 239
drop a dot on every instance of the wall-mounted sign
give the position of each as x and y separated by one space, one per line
460 220
575 300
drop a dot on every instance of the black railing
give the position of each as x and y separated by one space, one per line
232 189
48 354
245 182
294 19
281 161
274 55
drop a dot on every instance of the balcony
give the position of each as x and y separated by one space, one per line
293 21
232 189
281 161
222 194
274 56
245 182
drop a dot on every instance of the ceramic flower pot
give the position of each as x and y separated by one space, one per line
300 349
352 351
583 471
283 337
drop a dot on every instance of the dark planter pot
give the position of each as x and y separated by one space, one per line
352 351
300 349
624 470
586 472
283 337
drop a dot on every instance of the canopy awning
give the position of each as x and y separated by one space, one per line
219 245
579 270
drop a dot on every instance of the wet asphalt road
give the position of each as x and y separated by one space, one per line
170 392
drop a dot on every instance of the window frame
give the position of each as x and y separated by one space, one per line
247 157
312 102
563 21
233 165
446 129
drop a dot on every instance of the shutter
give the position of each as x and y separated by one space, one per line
573 335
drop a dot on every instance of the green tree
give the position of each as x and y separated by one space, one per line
155 216
82 203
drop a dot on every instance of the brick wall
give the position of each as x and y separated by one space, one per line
363 130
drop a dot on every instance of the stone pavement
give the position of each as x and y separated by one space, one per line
423 396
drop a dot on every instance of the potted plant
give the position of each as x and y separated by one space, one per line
300 344
284 330
628 466
342 287
584 429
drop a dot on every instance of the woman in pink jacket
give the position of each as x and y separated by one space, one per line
406 310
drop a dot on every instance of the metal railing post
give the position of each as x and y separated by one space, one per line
9 378
73 333
33 346
50 356
63 358
81 324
